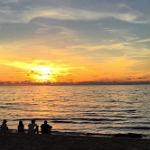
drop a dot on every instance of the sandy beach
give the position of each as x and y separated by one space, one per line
60 142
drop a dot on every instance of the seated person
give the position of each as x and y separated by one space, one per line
4 127
46 128
21 127
33 127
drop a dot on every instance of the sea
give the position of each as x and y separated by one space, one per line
89 109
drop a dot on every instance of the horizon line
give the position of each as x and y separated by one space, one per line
75 83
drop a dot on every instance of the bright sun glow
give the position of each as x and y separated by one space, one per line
46 73
43 74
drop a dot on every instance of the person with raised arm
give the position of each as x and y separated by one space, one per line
33 127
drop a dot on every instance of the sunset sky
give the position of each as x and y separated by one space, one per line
74 40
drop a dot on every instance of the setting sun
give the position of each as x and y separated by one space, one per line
41 74
105 42
74 73
46 73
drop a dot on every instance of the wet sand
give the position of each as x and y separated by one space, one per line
60 142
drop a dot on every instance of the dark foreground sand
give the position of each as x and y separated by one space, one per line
59 142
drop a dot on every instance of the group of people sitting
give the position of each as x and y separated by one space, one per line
33 128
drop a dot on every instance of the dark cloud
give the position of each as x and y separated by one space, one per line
16 31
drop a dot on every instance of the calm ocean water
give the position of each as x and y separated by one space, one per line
105 109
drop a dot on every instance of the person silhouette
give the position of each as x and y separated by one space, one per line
46 128
20 127
33 127
4 127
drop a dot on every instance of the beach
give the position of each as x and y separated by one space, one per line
63 142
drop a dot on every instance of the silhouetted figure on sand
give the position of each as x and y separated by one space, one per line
21 127
4 127
33 127
46 128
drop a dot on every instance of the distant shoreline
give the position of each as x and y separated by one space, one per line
75 84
